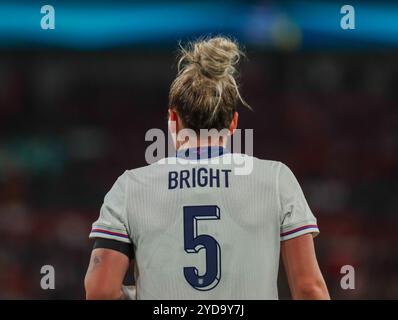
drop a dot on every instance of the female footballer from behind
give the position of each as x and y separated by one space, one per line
194 228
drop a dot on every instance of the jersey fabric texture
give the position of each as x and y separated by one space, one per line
201 231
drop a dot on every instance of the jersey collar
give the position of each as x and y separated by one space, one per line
201 152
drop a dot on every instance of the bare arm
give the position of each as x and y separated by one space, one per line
303 273
105 275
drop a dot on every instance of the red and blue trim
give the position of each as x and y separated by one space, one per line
111 233
310 226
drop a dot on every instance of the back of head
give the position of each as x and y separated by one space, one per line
205 93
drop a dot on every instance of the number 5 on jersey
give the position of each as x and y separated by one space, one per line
193 243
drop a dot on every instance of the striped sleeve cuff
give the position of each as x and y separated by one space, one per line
107 233
299 230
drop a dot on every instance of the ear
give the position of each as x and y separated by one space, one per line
234 123
172 114
173 118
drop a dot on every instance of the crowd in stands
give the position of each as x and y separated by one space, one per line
71 123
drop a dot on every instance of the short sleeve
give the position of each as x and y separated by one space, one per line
296 216
111 223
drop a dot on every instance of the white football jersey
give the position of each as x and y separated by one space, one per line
203 230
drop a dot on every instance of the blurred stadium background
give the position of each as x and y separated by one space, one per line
75 103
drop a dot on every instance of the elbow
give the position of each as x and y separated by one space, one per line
312 290
97 291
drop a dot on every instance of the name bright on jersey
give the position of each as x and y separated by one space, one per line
199 177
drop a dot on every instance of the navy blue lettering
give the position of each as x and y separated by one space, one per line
215 177
226 171
173 182
202 180
184 175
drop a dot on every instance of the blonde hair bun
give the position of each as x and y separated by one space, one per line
215 58
205 92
